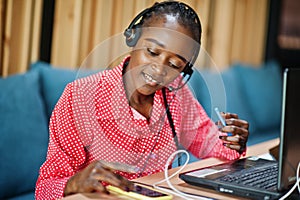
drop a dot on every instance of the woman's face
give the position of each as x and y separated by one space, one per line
161 53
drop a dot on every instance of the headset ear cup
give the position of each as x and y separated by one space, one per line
127 33
132 36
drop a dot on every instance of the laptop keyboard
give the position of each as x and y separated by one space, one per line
264 177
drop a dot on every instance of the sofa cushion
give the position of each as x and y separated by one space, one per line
200 89
222 90
263 89
236 100
53 82
23 133
209 89
26 196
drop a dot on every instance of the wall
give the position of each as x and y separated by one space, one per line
233 30
20 23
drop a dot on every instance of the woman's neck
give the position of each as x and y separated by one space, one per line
141 103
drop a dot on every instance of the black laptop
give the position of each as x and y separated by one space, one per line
258 178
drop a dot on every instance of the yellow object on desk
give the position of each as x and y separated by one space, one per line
141 192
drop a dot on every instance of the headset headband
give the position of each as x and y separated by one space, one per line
133 33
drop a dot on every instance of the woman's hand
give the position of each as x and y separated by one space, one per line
239 130
89 179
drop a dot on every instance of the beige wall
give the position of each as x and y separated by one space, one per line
233 30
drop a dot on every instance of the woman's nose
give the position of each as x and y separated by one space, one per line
159 69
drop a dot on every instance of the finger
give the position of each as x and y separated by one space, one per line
235 139
237 122
94 185
129 185
239 148
106 175
236 147
230 115
121 183
218 123
235 130
103 174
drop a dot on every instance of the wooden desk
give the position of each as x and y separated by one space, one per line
257 149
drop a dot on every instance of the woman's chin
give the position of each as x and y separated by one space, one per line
148 89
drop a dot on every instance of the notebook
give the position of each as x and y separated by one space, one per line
254 177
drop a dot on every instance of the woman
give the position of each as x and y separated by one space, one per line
136 114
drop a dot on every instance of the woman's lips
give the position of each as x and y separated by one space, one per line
150 80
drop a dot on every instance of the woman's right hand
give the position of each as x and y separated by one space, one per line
89 179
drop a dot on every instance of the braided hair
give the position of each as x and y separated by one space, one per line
184 14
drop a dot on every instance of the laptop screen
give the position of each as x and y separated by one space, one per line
289 153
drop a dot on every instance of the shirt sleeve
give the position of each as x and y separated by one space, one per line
65 154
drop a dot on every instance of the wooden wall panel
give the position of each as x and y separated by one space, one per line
20 32
202 8
222 32
19 37
7 37
66 32
90 31
239 31
36 30
2 15
23 47
99 30
141 5
233 30
255 31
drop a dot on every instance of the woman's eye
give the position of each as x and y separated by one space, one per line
174 65
152 52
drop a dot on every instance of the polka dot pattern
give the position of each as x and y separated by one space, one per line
93 121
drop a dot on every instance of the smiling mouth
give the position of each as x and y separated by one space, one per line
150 80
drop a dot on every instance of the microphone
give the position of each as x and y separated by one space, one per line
171 89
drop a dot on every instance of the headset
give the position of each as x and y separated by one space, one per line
133 33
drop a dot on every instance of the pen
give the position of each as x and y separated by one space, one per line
222 120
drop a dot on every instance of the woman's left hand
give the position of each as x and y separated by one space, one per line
237 132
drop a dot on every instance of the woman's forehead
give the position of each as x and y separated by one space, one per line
175 41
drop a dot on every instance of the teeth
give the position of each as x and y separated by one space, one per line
149 79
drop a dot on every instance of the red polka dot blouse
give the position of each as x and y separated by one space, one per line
93 121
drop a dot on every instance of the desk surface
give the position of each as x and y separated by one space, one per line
257 149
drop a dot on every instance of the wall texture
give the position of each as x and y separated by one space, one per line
233 30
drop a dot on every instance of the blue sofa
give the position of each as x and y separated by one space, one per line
27 100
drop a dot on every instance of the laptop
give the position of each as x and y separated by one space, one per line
255 177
